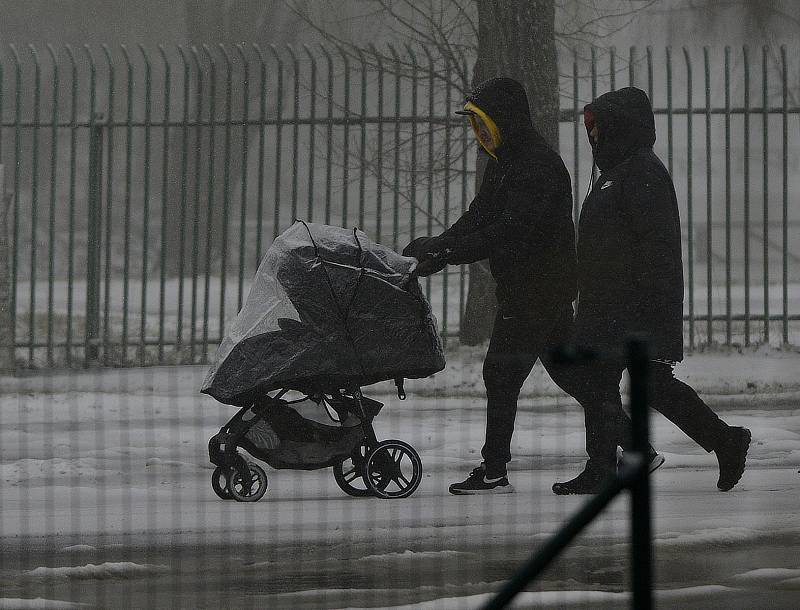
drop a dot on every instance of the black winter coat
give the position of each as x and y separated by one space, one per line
629 237
521 218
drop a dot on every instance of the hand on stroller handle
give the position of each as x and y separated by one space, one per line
429 266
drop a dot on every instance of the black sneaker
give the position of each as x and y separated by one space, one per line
478 483
731 455
590 481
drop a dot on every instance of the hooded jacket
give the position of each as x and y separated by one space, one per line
630 277
521 218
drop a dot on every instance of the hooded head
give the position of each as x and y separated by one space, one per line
500 105
625 123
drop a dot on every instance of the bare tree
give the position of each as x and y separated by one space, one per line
515 38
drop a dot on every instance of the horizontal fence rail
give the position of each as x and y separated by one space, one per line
145 184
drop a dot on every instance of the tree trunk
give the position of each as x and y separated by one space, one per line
516 38
481 306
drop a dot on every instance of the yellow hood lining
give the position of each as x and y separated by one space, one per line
478 114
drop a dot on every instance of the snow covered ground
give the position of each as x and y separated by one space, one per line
106 501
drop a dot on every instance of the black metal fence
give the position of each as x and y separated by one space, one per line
146 184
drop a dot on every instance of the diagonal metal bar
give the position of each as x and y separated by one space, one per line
633 476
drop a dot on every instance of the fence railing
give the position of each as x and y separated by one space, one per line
147 183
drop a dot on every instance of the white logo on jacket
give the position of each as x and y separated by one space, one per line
607 184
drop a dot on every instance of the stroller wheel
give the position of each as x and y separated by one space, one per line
240 491
219 482
349 474
393 470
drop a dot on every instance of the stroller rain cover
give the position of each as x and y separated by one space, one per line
327 308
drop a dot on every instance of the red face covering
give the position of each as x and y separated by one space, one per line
589 123
588 119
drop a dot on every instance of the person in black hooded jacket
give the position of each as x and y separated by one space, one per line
630 280
521 221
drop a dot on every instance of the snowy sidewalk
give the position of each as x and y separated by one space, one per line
106 494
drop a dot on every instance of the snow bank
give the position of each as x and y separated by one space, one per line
415 555
380 558
766 575
36 604
565 599
103 571
79 548
778 578
533 599
722 536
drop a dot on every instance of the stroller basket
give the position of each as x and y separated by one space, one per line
291 434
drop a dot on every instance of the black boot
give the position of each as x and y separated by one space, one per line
590 481
731 453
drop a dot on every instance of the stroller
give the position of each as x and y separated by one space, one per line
328 313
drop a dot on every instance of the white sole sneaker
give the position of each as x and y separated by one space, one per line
656 463
500 489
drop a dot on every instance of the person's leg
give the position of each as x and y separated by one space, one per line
679 403
595 385
607 424
513 351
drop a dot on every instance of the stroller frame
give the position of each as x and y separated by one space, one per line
385 469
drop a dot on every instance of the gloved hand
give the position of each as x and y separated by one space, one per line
431 252
417 248
426 247
429 266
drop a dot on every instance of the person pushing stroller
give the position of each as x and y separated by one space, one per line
521 221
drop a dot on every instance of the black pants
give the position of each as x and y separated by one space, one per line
596 387
516 344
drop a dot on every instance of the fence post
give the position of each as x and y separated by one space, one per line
7 352
93 241
641 551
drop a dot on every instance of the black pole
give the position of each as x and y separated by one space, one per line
553 547
633 475
641 551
